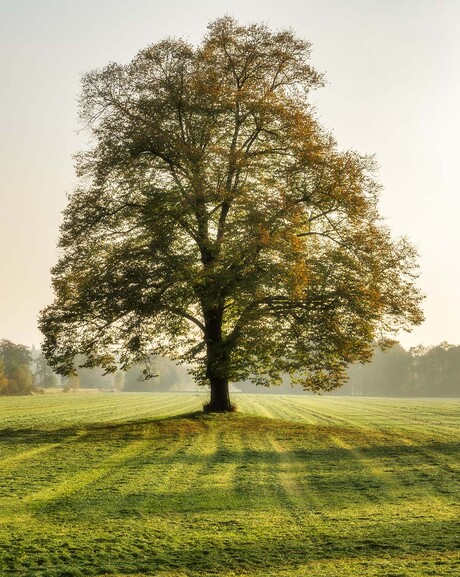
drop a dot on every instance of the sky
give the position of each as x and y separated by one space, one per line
393 90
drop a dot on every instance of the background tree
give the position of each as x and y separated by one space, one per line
136 382
436 370
450 386
3 379
71 383
119 380
169 377
217 223
92 377
18 377
388 375
44 377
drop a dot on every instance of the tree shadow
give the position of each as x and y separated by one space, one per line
291 497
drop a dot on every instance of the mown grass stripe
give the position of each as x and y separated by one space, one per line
80 481
359 488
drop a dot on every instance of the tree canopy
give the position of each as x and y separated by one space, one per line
219 224
16 377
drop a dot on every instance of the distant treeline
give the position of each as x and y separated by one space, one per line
418 372
24 371
171 377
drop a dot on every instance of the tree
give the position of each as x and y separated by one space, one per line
119 380
218 224
451 379
436 370
135 381
169 376
91 378
17 377
3 379
43 375
71 383
388 375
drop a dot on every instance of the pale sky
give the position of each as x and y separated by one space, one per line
393 73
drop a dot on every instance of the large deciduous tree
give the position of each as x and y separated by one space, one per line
217 223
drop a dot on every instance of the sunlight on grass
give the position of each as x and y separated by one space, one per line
138 485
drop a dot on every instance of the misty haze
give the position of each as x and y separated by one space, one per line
229 322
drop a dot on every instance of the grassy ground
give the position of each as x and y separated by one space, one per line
142 484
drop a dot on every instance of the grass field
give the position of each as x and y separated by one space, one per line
142 484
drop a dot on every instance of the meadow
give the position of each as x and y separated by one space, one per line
146 485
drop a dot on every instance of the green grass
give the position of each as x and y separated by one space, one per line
145 485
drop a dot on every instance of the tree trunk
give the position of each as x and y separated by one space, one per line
220 396
217 363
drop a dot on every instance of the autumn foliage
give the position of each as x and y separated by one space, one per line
217 223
